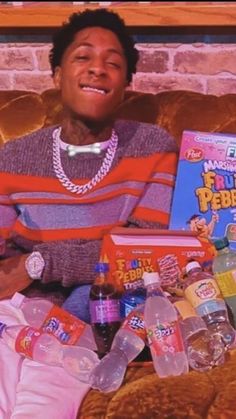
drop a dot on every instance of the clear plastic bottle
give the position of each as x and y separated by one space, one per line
202 291
163 331
128 342
224 271
204 348
104 306
45 348
43 314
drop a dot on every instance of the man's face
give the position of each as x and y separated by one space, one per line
93 74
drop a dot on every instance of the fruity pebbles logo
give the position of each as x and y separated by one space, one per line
219 181
130 272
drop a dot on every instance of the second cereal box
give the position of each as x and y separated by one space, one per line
205 193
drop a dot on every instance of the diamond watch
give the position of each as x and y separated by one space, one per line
34 265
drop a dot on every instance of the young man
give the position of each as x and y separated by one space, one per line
57 202
62 188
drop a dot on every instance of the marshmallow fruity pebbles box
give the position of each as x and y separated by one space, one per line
205 193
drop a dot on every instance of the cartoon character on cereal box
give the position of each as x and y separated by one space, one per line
199 224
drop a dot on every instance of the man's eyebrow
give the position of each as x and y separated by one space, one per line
111 50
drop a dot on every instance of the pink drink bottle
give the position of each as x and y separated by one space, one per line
46 349
163 331
128 342
43 314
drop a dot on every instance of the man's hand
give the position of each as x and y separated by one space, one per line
13 276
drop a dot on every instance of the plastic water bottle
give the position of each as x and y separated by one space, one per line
104 306
45 348
43 314
163 331
204 348
128 342
202 291
224 270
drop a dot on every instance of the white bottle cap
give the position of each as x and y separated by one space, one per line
151 278
17 299
192 265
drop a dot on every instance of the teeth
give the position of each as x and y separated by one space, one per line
93 89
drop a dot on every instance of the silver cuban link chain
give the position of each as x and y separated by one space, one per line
102 172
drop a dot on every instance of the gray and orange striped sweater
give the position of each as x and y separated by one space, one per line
38 213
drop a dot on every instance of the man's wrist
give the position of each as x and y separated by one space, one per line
34 265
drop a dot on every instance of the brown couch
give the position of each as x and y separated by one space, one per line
143 395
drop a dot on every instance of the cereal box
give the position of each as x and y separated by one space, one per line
205 193
132 251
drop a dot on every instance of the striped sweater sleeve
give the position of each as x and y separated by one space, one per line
153 208
70 262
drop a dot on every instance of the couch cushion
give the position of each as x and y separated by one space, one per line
21 113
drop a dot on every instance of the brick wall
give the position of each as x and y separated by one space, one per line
207 68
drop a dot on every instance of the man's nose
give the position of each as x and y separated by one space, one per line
97 67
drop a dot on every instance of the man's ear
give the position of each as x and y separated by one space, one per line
57 78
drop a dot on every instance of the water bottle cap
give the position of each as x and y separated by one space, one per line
151 278
192 265
221 243
101 267
17 299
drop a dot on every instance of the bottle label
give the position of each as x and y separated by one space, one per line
66 327
26 340
104 311
184 309
165 337
202 291
135 323
227 283
126 308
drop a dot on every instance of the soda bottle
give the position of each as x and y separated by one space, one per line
131 299
224 270
43 314
45 348
163 331
104 307
203 348
128 342
202 291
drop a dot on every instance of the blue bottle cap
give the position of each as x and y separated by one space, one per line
101 267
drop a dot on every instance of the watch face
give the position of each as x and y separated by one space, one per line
34 265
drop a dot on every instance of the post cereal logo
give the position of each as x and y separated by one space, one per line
205 291
194 154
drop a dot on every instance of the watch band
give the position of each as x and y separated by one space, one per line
34 265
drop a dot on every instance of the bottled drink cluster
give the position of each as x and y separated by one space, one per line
191 331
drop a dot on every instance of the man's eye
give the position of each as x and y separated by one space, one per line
81 57
113 64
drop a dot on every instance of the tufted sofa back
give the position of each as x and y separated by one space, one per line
22 112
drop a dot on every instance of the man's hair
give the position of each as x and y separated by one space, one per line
90 18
